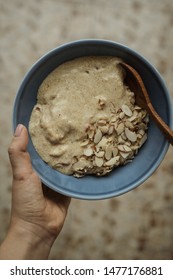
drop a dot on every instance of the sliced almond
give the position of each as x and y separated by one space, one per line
100 154
121 115
120 128
84 143
121 140
131 135
121 148
124 155
102 142
98 136
104 129
88 152
108 153
141 132
127 148
111 129
128 144
137 108
115 151
112 161
144 113
127 111
102 122
129 124
99 161
123 136
133 117
139 136
114 119
77 175
124 148
91 134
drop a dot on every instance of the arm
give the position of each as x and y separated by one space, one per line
38 213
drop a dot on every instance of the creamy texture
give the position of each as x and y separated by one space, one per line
76 100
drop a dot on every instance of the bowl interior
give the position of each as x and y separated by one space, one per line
124 178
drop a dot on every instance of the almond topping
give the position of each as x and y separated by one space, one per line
100 154
98 161
130 135
115 152
112 161
108 153
127 111
111 129
104 129
124 155
120 128
98 136
121 115
102 142
84 143
88 152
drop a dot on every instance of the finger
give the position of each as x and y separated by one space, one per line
19 157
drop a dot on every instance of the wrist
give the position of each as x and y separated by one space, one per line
31 232
26 241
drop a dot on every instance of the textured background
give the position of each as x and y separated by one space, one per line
139 224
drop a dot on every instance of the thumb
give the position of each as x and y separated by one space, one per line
19 157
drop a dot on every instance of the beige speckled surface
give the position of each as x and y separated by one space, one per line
139 224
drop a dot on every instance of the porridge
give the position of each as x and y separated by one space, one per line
86 120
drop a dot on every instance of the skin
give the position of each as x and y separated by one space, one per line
38 213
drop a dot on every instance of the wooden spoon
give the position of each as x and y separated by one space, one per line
135 83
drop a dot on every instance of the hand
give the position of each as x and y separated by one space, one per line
38 213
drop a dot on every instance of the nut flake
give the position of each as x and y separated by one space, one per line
88 152
99 161
127 148
115 151
112 161
98 136
84 143
124 155
130 135
108 153
104 129
102 142
120 128
121 115
111 129
100 154
127 111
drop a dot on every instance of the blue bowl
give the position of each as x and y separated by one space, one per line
122 179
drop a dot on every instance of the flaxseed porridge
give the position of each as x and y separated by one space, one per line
86 120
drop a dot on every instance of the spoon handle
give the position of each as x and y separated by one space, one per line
161 124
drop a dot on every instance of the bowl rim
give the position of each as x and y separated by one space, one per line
155 72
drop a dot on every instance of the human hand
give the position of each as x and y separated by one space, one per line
38 213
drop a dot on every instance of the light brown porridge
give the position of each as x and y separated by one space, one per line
86 120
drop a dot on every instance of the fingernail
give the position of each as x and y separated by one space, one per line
18 130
